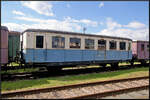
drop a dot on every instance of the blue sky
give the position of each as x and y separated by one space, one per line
113 18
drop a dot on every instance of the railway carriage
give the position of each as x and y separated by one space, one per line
4 45
140 51
13 46
57 49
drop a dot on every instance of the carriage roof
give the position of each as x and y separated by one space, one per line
140 41
14 33
4 28
73 33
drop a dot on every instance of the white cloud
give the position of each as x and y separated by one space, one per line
115 29
66 20
135 25
68 5
43 24
18 12
127 33
101 23
112 24
67 24
16 27
36 20
101 4
41 7
89 22
82 21
22 27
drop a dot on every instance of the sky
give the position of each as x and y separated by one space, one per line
128 19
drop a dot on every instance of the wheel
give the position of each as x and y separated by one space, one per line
131 63
143 62
114 65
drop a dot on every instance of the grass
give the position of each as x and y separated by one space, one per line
13 64
20 71
66 80
97 66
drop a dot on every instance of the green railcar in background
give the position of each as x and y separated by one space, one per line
13 45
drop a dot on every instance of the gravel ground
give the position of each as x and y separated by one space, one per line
92 89
142 94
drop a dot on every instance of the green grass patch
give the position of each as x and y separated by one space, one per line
73 79
20 71
97 66
13 64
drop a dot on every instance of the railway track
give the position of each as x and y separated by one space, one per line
84 90
42 74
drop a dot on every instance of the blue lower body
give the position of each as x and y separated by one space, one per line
46 56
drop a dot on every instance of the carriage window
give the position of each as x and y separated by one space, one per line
142 47
75 42
39 41
101 44
147 47
122 46
112 45
89 44
129 47
58 42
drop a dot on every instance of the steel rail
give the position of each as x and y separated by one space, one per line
35 91
109 93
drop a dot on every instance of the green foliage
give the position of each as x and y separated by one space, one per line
20 71
66 80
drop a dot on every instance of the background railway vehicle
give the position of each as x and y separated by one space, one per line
57 49
13 46
4 45
140 51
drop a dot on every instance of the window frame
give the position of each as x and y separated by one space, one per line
93 44
38 42
122 49
73 47
100 47
60 39
147 47
142 47
129 46
115 45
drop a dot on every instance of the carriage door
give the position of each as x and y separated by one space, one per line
39 52
142 51
129 48
102 48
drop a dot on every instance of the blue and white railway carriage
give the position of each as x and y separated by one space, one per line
59 48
